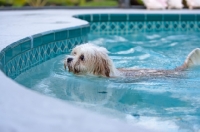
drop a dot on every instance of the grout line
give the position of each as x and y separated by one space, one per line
31 37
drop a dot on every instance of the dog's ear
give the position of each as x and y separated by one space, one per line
106 68
102 65
102 68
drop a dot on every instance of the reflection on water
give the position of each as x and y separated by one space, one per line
168 104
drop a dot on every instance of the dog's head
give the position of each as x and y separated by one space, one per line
89 59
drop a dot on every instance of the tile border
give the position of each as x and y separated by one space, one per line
13 57
139 17
122 24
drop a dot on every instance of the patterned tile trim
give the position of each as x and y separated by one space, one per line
31 58
138 17
28 52
123 28
112 24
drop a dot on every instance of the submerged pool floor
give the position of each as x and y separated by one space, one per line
169 103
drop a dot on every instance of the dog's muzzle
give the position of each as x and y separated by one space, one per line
67 61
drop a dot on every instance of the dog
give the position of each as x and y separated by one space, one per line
94 60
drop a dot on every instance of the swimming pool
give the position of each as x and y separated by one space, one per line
44 46
171 103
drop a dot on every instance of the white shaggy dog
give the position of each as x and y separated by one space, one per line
94 60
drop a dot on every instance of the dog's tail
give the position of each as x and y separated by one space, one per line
193 59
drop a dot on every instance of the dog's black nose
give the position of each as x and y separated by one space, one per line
69 60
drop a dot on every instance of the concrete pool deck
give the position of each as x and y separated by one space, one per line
24 110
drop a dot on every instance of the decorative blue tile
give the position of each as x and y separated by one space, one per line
103 27
8 54
158 26
2 63
16 63
48 38
26 45
95 18
74 32
93 27
37 40
183 26
118 17
171 17
2 60
149 27
175 26
55 49
104 17
136 17
87 18
61 35
154 17
168 26
16 50
85 30
197 17
188 17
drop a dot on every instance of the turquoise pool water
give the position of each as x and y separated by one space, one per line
167 104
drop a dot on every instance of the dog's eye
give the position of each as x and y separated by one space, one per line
74 53
82 57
